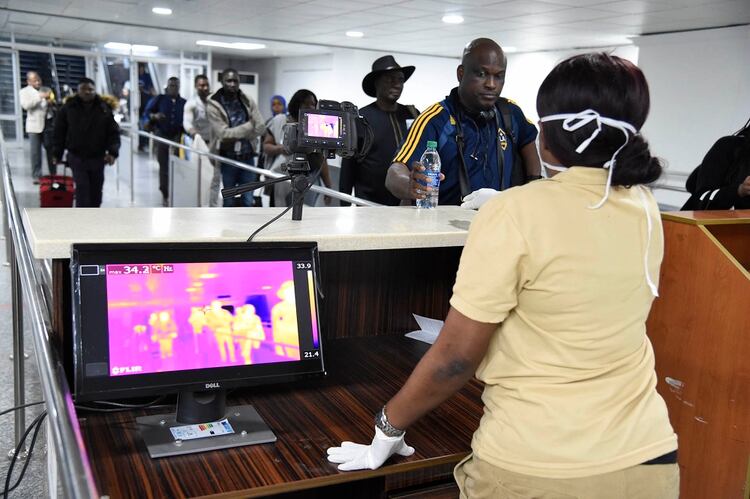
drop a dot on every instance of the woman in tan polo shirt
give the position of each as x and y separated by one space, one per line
549 309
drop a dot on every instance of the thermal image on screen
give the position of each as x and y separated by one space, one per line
323 125
174 317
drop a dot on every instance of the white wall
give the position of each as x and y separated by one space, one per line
700 91
526 71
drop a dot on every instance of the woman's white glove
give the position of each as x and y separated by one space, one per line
351 456
477 198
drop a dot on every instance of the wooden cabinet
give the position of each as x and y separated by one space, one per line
700 330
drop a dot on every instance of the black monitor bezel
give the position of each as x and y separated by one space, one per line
162 383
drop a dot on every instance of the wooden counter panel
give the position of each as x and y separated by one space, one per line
307 419
371 293
699 329
736 240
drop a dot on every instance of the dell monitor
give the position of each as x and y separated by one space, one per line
194 319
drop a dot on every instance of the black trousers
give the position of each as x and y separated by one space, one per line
162 157
88 174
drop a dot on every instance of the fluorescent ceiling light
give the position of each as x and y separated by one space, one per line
510 49
145 48
117 46
128 47
355 34
162 11
453 19
232 45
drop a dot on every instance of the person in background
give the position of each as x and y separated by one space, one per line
235 123
195 122
48 135
86 128
278 106
164 115
388 120
484 141
722 180
273 147
34 102
549 310
146 91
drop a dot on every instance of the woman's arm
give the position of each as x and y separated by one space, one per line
445 368
270 147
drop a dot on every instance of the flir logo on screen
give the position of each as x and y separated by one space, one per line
126 370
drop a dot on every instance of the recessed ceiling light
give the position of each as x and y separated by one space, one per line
231 45
355 34
453 19
162 11
510 49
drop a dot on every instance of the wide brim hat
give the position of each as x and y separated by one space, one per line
380 66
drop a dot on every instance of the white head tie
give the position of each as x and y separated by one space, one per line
574 121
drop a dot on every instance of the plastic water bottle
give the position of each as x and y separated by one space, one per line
431 161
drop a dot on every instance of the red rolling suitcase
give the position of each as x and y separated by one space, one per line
56 191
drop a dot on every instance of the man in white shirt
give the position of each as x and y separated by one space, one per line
195 122
34 102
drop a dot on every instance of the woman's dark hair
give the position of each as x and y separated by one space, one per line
296 101
613 87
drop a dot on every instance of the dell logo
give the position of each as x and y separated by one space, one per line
212 385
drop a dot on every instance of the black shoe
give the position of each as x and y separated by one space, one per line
35 181
165 202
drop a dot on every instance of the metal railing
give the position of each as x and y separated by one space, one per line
27 283
134 133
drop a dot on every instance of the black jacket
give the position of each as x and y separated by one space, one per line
88 131
367 175
714 183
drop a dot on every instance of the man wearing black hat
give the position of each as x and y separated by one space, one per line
387 118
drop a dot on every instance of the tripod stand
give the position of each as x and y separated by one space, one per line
297 169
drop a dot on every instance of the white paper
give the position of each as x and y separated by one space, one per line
429 329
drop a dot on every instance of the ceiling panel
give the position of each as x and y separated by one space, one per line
396 25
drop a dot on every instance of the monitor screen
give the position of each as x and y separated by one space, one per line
152 318
326 126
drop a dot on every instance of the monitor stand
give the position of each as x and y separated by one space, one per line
203 423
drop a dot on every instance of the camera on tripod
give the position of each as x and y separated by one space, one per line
333 128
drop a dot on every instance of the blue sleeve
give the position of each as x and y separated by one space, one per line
527 132
422 130
150 105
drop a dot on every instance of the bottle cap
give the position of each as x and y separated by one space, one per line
431 144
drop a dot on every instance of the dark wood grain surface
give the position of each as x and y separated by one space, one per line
369 293
307 418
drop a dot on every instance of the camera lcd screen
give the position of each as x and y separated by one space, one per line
324 126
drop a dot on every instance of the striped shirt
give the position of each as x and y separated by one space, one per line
438 123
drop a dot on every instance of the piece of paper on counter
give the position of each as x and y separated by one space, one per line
429 329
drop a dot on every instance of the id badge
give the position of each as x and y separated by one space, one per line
237 147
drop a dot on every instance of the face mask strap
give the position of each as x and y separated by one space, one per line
575 121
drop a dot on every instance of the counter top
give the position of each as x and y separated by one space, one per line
51 231
708 217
